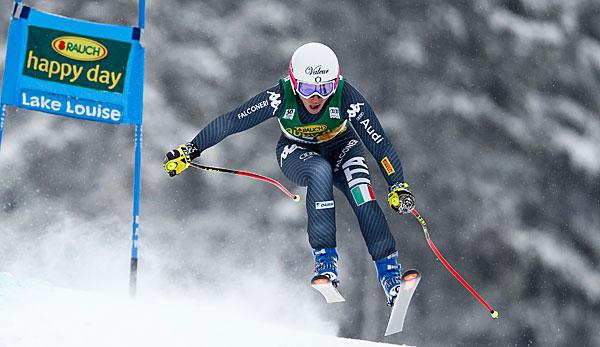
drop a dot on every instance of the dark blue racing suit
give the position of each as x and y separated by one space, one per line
338 162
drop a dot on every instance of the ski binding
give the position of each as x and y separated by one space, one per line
410 280
327 288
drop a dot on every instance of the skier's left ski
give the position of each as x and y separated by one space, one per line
327 289
410 281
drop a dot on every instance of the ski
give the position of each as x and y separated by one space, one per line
410 281
327 288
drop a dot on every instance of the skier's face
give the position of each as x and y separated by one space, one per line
314 104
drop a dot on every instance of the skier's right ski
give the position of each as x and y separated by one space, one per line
327 289
410 280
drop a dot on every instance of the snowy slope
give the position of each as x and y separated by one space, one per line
35 313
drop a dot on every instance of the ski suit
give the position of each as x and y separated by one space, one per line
321 151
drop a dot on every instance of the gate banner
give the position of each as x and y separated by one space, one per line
74 68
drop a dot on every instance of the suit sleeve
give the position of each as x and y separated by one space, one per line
367 126
249 114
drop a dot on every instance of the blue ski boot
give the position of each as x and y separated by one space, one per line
390 276
325 266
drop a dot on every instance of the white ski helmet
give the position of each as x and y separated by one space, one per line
314 63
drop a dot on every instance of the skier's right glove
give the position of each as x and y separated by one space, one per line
180 158
400 199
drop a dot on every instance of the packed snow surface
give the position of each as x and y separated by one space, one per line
36 313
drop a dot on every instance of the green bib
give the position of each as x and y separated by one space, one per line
323 129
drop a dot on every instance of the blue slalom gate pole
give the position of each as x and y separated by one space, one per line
136 211
3 105
142 14
2 116
136 182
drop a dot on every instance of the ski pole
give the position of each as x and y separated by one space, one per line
449 267
292 196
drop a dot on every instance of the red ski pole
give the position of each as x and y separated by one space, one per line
449 267
292 196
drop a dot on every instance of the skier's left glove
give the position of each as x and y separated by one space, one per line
180 158
401 199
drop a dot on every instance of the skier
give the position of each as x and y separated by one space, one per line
322 117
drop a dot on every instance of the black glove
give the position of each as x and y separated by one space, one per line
180 158
400 199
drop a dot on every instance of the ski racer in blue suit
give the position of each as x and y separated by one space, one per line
325 124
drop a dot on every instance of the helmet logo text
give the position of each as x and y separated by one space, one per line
316 70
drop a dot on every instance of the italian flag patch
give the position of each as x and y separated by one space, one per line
362 193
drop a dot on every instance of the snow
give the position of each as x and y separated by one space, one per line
37 313
561 258
527 32
580 139
78 294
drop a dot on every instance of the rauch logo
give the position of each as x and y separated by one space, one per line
79 48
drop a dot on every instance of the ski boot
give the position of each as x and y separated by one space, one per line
390 276
325 266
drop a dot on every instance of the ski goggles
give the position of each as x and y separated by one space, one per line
323 90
